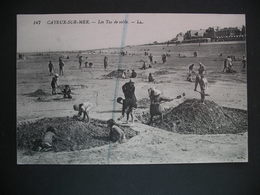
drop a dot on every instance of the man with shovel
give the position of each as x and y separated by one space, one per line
202 81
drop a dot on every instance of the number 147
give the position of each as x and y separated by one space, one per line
37 22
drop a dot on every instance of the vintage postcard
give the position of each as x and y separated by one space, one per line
131 89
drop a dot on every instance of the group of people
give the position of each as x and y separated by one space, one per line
61 67
87 64
129 102
51 134
128 74
144 67
228 65
66 91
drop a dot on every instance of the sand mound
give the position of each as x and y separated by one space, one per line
193 117
161 72
74 134
37 93
116 73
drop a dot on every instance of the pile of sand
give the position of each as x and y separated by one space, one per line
116 73
193 117
37 93
74 134
161 72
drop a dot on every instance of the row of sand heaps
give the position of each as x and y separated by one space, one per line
74 134
40 92
193 117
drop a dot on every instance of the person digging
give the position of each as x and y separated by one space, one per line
84 109
67 92
203 86
116 134
155 103
202 81
46 143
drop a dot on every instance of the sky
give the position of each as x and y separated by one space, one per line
35 36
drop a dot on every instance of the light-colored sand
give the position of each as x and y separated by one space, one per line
151 145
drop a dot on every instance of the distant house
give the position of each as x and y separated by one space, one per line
180 37
193 34
230 34
227 32
210 33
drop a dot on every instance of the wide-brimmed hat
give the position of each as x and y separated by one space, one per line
157 92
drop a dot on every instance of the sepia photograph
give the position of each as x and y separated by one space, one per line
131 88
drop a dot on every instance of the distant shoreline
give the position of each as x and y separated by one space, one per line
182 44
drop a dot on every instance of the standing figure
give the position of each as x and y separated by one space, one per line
51 68
163 58
105 62
191 71
54 84
202 81
144 66
203 86
151 58
126 109
201 72
86 63
80 61
130 98
229 64
84 109
225 65
244 62
150 78
61 65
